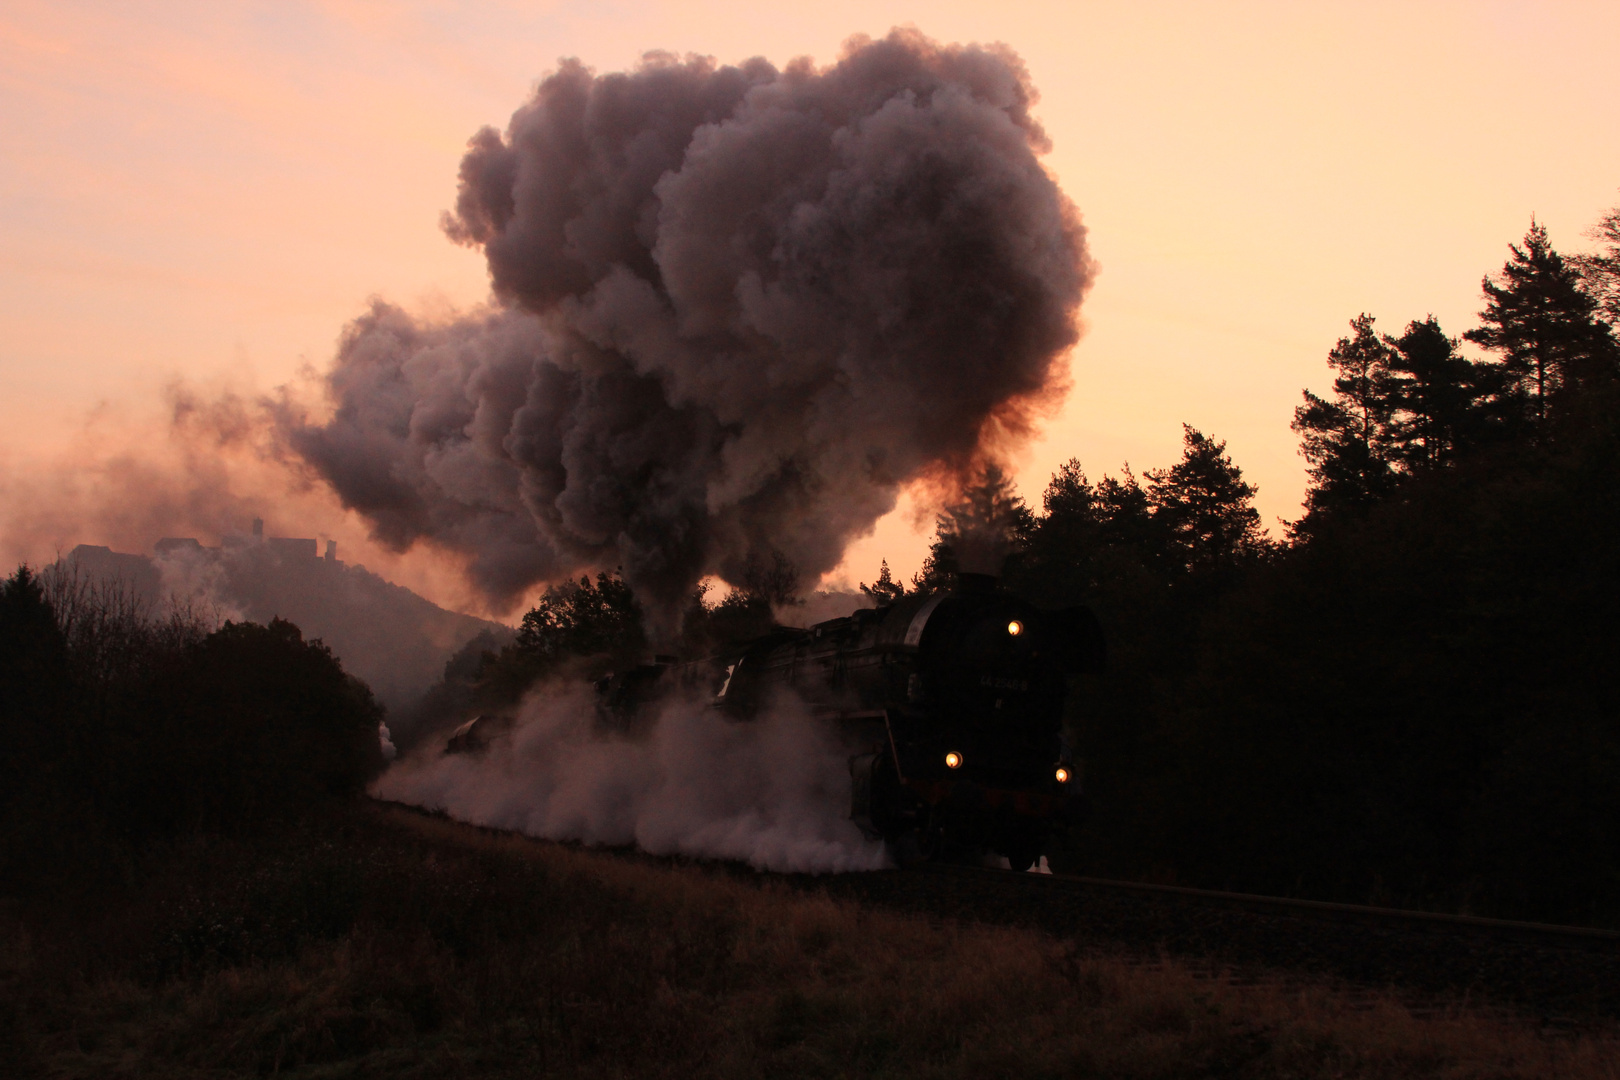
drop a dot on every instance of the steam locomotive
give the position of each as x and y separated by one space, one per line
954 702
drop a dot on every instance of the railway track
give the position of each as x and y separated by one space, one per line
1568 977
1573 936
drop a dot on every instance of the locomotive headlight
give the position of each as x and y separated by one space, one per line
953 760
1015 628
1062 775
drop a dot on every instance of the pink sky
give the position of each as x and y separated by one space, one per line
210 191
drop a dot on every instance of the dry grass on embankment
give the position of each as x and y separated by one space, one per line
391 944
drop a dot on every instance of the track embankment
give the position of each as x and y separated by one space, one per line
1563 975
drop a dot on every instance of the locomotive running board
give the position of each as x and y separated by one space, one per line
829 713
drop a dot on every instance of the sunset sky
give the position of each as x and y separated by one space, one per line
208 192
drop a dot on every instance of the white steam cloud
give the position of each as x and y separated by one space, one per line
772 792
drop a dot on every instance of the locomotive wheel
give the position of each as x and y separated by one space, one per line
1023 852
923 844
907 851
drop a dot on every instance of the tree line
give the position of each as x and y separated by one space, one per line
124 724
1410 697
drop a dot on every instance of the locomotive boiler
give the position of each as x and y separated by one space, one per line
953 702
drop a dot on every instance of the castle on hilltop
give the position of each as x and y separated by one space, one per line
293 547
395 640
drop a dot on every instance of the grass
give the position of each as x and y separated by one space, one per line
383 943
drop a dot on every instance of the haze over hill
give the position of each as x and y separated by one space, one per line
385 634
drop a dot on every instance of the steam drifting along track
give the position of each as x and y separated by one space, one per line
1566 975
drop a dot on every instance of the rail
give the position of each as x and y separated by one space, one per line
1280 904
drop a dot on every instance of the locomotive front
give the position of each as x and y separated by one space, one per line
956 700
975 757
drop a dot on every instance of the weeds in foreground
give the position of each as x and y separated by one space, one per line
385 943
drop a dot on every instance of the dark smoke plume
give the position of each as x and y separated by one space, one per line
741 307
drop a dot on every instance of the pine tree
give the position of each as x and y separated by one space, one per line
1060 556
1440 398
1544 325
1092 535
1070 530
1069 496
1347 440
978 532
885 590
1205 505
1128 521
1600 273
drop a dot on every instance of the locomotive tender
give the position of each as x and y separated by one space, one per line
954 701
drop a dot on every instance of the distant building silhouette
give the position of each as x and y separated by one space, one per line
395 640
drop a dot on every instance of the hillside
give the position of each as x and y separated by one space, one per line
384 633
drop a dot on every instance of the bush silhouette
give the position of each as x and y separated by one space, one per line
120 724
252 722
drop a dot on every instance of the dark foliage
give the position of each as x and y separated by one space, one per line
39 734
1346 439
1441 405
774 580
1400 406
461 692
248 723
1413 702
582 619
1203 507
1418 706
120 725
885 590
34 678
740 616
1546 328
585 628
1121 547
747 612
980 533
598 623
1600 271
